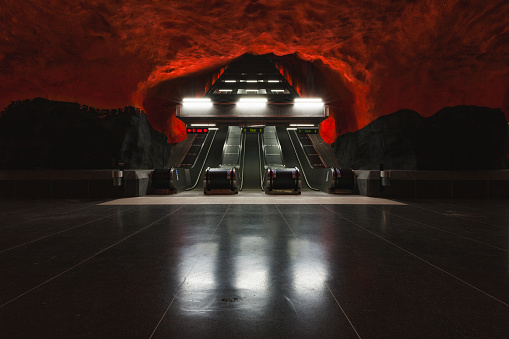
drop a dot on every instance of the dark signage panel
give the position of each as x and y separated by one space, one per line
249 130
307 130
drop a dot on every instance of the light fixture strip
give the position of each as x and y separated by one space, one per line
253 101
202 125
197 100
308 101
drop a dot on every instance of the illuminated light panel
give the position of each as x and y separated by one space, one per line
308 103
252 102
197 103
252 90
251 80
274 81
230 81
302 125
225 90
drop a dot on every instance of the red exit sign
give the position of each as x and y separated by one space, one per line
197 130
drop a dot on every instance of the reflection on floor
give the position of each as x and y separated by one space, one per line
253 197
425 268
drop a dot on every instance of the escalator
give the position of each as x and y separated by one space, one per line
279 161
188 175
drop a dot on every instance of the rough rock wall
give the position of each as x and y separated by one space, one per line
455 138
46 134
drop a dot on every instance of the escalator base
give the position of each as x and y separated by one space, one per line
164 191
220 192
340 191
282 192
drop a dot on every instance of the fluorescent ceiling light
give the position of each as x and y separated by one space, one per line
201 100
302 125
251 80
274 81
308 101
225 90
197 102
252 90
253 100
230 81
202 125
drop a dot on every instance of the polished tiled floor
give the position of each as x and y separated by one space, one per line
335 268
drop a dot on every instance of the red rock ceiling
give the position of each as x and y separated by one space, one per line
374 57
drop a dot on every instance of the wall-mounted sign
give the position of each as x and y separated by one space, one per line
307 130
197 130
250 130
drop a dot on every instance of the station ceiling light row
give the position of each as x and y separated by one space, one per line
250 102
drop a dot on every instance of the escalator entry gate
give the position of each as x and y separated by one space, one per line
162 181
283 181
340 180
220 181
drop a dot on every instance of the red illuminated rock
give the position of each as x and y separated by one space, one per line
374 56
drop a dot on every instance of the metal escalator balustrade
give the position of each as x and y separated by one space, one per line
278 178
232 148
223 180
273 155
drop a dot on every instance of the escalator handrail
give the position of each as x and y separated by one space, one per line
243 154
300 164
262 162
203 165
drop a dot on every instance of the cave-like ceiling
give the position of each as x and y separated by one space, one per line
382 55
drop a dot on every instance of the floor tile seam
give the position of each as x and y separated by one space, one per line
453 216
421 259
26 208
189 273
42 217
88 259
325 282
477 209
441 230
63 231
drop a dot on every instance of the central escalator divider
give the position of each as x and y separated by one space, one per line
223 180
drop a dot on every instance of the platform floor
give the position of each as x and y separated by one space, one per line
415 269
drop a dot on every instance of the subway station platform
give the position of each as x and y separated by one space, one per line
158 268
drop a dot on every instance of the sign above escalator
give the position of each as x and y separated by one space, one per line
200 130
252 130
307 130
